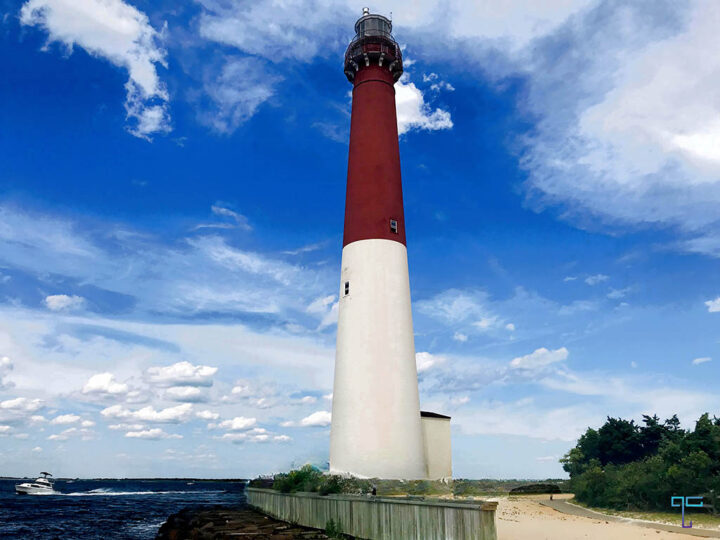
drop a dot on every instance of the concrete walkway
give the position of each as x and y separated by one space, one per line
575 510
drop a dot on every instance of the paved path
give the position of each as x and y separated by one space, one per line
575 510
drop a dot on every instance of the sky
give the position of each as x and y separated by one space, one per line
172 179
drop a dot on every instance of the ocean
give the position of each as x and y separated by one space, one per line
106 509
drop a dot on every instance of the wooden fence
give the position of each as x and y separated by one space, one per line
379 518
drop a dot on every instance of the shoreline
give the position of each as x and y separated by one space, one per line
522 517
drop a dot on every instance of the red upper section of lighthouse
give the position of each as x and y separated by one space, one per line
373 204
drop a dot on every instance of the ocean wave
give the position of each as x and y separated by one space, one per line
109 492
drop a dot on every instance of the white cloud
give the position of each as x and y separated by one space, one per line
469 312
308 399
234 437
63 435
317 419
539 358
526 418
701 360
270 29
281 438
207 415
274 33
713 305
256 435
152 434
511 24
104 383
259 395
246 437
37 449
243 388
126 427
459 336
331 317
236 93
238 423
170 415
21 404
424 361
65 419
454 306
622 142
185 393
595 279
320 305
485 323
239 221
83 433
4 430
325 307
437 83
199 274
60 302
459 400
632 396
87 423
6 366
119 33
216 250
35 241
414 113
616 294
273 30
181 373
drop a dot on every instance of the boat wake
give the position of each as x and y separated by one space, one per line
107 492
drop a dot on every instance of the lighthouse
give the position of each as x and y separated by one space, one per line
377 429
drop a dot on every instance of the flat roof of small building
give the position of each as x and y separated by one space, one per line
428 414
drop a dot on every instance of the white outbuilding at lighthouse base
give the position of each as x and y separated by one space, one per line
438 450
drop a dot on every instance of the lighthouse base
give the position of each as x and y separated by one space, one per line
376 427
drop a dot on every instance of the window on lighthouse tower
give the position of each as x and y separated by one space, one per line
347 288
394 225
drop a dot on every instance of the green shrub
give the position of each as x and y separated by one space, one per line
307 478
331 484
643 470
333 529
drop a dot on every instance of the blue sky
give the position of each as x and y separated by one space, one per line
171 211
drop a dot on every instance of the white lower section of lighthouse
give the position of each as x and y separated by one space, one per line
376 426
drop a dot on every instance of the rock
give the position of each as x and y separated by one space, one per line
217 523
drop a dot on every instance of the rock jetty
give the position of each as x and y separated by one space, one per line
214 523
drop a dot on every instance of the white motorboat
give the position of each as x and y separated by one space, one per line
41 486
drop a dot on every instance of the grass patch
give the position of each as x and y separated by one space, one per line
699 519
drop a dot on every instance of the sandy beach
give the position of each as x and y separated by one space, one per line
526 519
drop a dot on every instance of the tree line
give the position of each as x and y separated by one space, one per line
628 466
